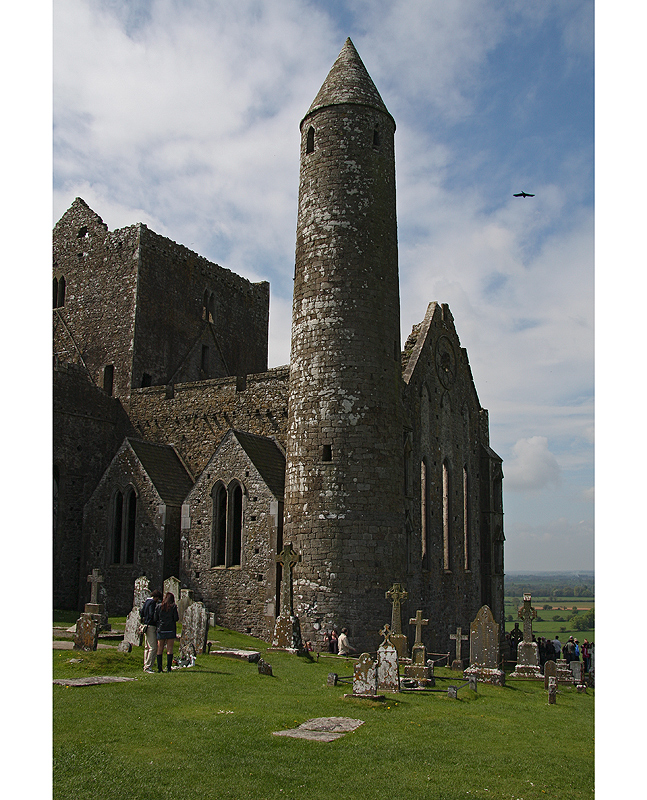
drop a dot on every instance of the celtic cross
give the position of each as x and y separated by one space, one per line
527 613
396 595
287 558
95 579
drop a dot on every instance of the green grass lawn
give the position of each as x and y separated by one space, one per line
206 732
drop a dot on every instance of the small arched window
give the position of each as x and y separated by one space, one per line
227 526
219 525
117 526
59 292
130 519
376 137
310 140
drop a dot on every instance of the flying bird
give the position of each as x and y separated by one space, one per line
523 194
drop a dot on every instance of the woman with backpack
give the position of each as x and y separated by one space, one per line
166 616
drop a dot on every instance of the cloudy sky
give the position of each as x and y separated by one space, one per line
185 116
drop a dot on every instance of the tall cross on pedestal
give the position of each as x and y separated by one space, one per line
95 579
396 595
527 613
418 621
460 638
287 558
387 635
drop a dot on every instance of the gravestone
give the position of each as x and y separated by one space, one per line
124 647
95 606
365 677
552 691
397 595
195 628
185 601
484 649
287 629
576 669
418 669
388 676
131 633
550 671
87 632
528 651
264 668
564 674
459 637
332 679
141 592
172 585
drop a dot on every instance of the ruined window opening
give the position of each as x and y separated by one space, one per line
326 454
108 378
146 380
376 136
60 294
466 521
310 140
117 523
219 531
446 517
82 232
204 358
131 516
55 299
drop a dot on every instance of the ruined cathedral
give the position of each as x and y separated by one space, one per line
178 452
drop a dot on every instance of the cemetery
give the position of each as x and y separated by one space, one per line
234 717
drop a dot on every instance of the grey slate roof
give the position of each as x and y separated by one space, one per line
268 459
164 468
348 82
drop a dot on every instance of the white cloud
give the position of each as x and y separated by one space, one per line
532 467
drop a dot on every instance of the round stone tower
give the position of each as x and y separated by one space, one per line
344 494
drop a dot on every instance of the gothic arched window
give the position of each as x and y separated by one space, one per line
117 526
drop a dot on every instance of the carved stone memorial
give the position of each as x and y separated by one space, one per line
527 651
418 669
459 637
397 595
484 649
388 676
172 585
195 627
550 671
287 630
365 677
87 632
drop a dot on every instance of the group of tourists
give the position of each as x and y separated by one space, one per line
552 649
159 616
338 644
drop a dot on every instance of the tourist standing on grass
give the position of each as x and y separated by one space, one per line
557 646
586 655
147 617
167 617
344 646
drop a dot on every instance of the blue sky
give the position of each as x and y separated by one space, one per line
185 115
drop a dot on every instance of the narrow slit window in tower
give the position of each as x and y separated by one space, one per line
326 452
60 299
310 140
376 137
108 378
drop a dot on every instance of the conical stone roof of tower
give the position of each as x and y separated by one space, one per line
348 82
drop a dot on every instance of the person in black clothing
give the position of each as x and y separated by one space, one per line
167 616
147 617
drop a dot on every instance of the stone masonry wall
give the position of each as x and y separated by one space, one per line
242 597
198 415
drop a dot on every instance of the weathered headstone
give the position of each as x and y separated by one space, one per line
552 691
185 601
576 669
264 668
564 674
550 671
418 669
365 677
397 595
131 633
95 606
287 629
172 585
332 679
87 632
452 691
195 627
124 647
141 592
388 677
528 651
484 649
459 637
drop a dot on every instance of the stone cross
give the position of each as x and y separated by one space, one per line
386 632
418 621
95 579
287 558
527 614
460 637
396 595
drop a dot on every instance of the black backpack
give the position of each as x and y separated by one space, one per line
147 612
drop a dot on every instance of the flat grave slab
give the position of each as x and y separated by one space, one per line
322 729
91 681
244 655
